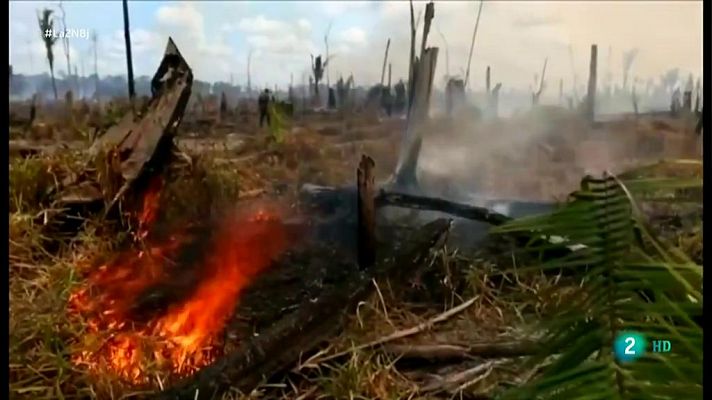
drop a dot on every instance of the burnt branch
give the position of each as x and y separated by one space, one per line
435 204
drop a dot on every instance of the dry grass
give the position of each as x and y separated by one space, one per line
507 305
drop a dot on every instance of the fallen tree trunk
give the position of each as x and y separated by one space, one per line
330 199
434 204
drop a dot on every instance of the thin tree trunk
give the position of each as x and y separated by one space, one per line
411 60
249 81
54 84
472 44
591 95
129 62
487 80
385 61
389 76
96 66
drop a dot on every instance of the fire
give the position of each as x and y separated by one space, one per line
186 335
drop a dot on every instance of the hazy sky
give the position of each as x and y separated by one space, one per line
513 38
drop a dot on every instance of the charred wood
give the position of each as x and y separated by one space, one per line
302 331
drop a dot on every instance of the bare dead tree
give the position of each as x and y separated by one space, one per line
129 61
628 58
535 96
429 15
447 53
573 74
411 59
472 43
249 81
385 60
65 39
487 80
698 94
591 95
95 40
46 25
634 96
326 64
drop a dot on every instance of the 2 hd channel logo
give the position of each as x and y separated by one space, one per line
629 346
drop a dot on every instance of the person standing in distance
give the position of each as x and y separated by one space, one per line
263 103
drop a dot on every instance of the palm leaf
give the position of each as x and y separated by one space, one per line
631 283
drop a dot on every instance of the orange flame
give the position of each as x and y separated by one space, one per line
186 337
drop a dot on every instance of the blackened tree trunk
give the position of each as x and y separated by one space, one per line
129 61
591 95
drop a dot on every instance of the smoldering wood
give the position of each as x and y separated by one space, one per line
590 104
302 331
338 201
405 200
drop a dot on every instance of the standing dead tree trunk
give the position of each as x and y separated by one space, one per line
318 70
411 59
65 41
494 98
487 80
385 61
129 61
423 73
94 40
472 44
249 78
535 96
591 95
326 45
447 54
366 213
46 25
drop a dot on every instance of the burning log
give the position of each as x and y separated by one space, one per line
140 149
312 323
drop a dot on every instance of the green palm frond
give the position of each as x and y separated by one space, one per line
632 281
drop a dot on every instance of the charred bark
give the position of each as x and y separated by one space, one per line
134 151
366 213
